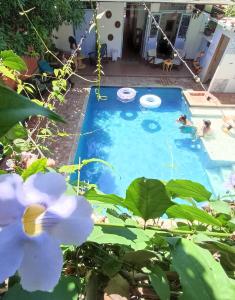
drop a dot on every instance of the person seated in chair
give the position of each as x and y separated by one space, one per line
197 62
75 53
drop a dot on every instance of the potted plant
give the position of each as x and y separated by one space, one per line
210 28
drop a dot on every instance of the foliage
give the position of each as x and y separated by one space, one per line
143 239
230 11
18 34
67 288
15 108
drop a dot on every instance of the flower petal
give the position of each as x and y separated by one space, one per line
42 264
10 194
44 188
69 220
11 250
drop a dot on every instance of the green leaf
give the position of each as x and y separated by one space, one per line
137 238
138 258
38 165
113 219
21 145
67 288
226 252
15 108
111 267
160 283
12 60
147 198
93 195
16 132
200 275
191 213
220 207
188 189
72 168
95 160
7 73
69 169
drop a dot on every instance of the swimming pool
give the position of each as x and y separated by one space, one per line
138 142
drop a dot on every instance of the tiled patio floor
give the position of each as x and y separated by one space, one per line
63 148
136 68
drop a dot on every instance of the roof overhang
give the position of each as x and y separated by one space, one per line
210 2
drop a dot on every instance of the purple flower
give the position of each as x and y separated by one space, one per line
35 218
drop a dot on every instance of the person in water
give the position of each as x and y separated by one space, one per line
184 121
205 130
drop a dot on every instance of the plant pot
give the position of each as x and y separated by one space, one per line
207 32
32 66
8 82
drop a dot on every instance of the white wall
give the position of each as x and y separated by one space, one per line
224 78
63 33
106 26
210 52
194 35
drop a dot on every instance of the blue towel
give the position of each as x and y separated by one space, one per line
45 67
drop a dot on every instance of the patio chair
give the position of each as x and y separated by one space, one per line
93 56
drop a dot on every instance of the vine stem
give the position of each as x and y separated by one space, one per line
168 231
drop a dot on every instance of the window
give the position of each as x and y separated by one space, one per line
154 30
184 26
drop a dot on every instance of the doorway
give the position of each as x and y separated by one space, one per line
169 22
135 21
216 58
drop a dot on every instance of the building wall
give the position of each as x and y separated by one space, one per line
210 52
106 26
194 35
62 35
224 78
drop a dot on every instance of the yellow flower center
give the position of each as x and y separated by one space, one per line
31 225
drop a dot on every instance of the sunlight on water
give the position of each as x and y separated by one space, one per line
138 142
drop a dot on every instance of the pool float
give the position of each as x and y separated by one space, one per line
126 94
150 101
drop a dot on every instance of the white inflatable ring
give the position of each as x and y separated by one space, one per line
150 101
126 94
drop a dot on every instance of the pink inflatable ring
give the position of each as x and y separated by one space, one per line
126 94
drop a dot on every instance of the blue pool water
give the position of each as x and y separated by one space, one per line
138 142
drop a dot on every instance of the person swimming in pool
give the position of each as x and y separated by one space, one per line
184 121
205 129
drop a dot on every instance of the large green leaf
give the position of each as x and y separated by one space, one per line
147 198
138 258
12 60
188 189
110 234
111 266
191 213
93 195
226 253
160 283
38 165
200 275
15 108
67 289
